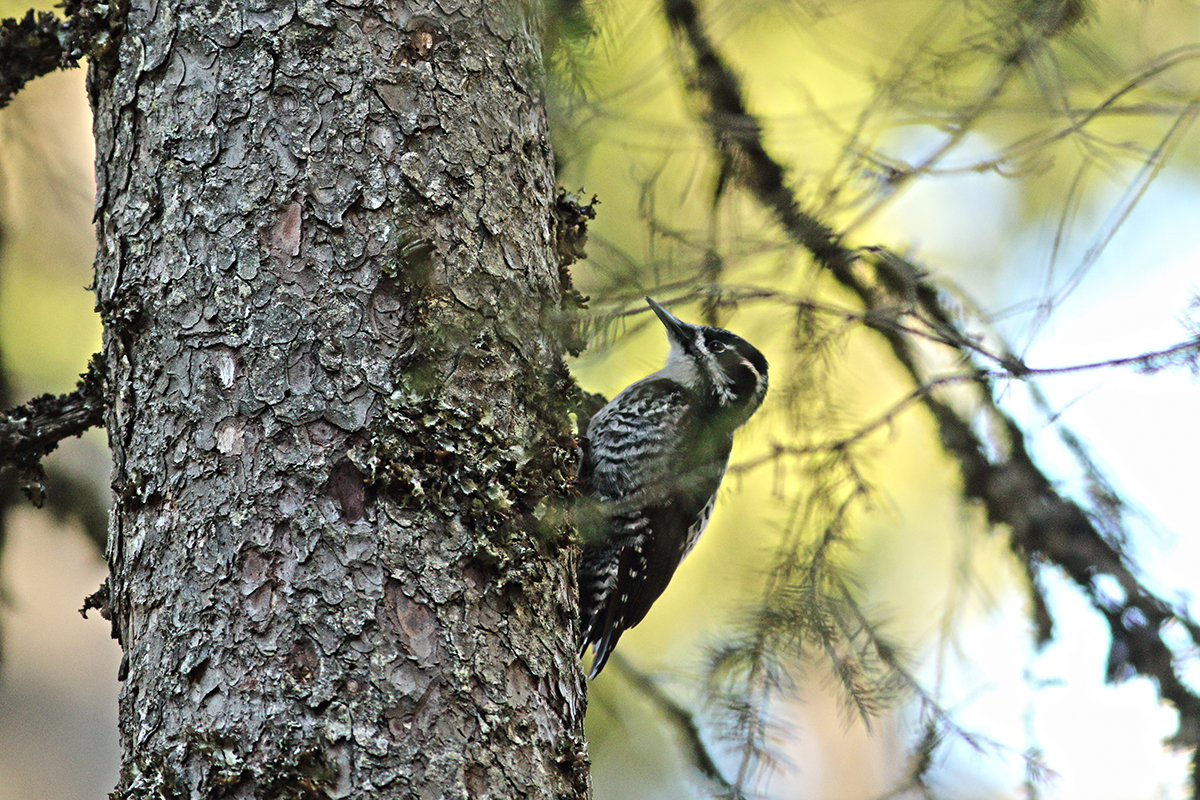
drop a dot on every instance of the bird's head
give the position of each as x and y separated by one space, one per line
720 366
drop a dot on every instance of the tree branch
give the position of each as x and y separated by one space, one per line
30 432
43 42
1183 353
683 721
1045 526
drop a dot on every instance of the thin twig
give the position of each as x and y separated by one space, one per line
681 719
1000 474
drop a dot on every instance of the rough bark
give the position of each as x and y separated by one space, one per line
326 270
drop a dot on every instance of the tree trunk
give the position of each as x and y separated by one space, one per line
327 275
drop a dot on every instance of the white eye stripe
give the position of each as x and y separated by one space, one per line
746 362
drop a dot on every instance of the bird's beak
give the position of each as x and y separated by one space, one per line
678 330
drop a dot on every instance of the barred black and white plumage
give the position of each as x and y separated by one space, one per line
653 461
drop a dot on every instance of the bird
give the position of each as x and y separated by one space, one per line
653 458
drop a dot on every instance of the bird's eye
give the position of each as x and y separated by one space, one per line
717 347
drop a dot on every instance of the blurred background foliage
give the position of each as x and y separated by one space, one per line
1037 157
58 685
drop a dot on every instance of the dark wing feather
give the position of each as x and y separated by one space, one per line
654 471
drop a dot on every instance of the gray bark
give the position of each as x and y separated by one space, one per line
327 275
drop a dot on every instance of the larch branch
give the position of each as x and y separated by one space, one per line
1046 526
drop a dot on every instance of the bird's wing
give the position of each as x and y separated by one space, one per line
655 472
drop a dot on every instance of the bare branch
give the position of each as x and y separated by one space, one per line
682 720
1187 352
1079 120
42 43
29 48
32 431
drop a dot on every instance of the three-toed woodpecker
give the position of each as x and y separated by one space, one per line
652 462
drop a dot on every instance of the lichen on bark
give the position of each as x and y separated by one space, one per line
327 269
